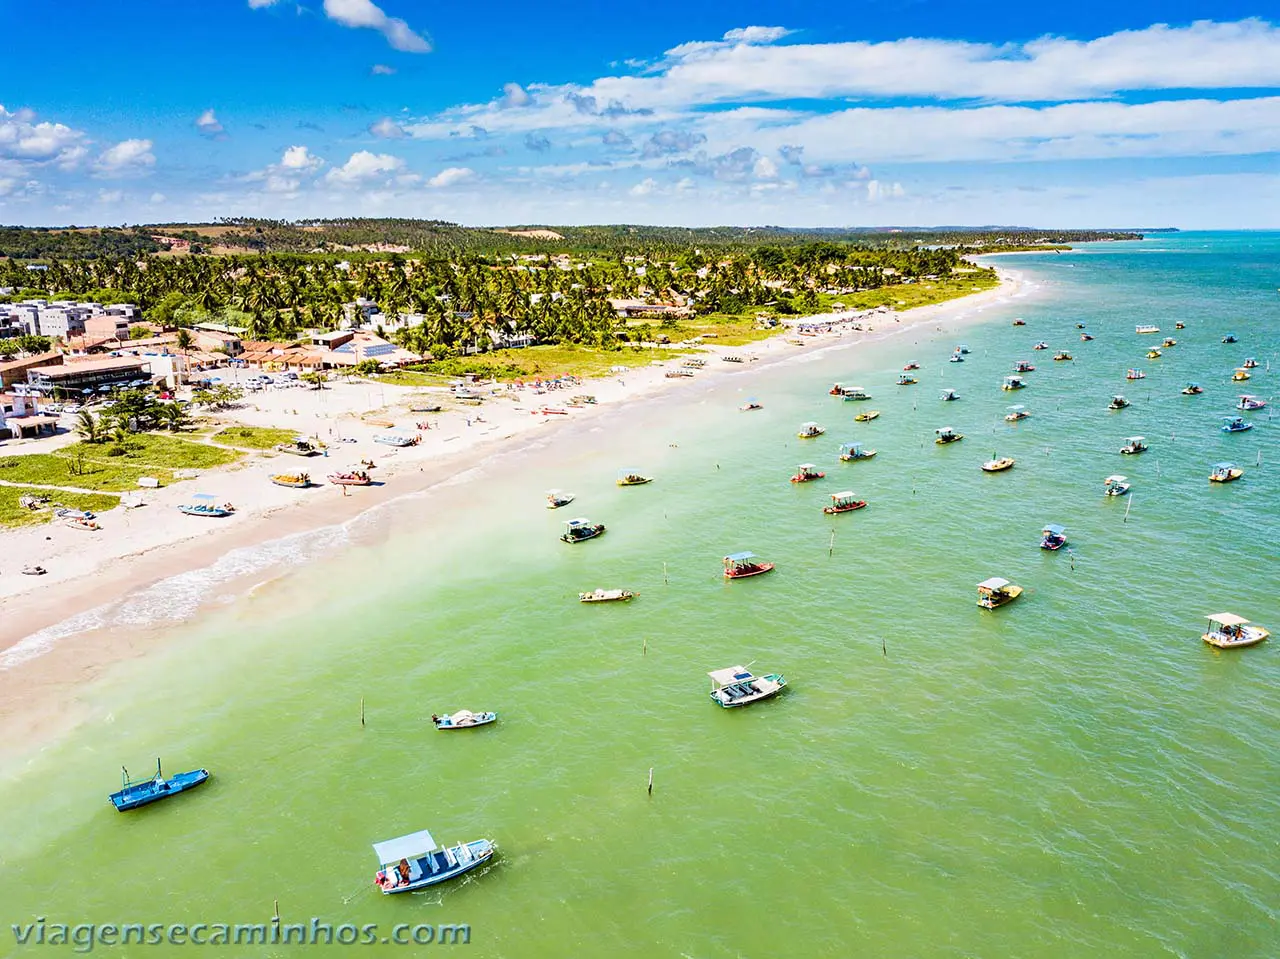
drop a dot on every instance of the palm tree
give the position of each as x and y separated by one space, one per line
87 427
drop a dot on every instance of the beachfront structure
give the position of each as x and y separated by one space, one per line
15 371
89 374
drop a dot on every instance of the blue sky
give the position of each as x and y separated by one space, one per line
864 112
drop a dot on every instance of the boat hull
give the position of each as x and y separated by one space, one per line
832 510
482 852
997 467
144 794
1003 599
758 570
589 534
444 723
1249 636
775 684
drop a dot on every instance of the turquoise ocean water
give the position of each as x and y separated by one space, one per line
1073 775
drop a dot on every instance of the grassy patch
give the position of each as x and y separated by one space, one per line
13 515
550 361
253 437
904 296
63 469
157 451
414 378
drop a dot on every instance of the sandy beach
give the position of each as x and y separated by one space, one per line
52 635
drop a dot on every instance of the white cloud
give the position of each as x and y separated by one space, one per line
259 4
207 123
882 191
451 175
157 198
765 168
24 139
387 129
110 196
301 159
644 187
126 158
364 13
513 95
364 166
382 70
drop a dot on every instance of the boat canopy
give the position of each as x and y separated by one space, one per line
1054 529
1018 408
809 425
945 429
740 557
404 847
1192 383
847 494
1223 466
1116 478
1117 396
1137 439
580 521
994 583
807 467
1227 619
731 674
850 447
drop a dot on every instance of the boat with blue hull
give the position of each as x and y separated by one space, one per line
141 792
415 862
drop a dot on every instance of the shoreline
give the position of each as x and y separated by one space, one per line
58 635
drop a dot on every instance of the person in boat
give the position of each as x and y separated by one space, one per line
403 870
435 719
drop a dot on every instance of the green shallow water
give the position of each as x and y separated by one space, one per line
1074 775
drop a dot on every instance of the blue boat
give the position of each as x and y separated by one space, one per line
203 504
579 530
1235 424
413 862
140 792
1054 537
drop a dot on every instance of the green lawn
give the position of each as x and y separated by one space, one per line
414 378
253 437
904 296
13 515
158 450
551 361
91 465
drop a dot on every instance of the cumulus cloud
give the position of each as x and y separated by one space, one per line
110 196
387 129
301 159
126 158
615 138
883 191
364 166
382 70
513 95
157 198
644 187
670 142
208 125
23 138
450 176
537 143
765 168
365 13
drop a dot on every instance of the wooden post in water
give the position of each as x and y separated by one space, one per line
664 575
1128 506
831 547
644 648
650 780
361 712
884 648
275 919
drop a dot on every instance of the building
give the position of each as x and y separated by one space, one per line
15 371
20 415
106 326
75 377
631 309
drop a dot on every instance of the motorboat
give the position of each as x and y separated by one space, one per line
750 405
737 686
633 478
1168 342
1042 345
1016 413
607 596
855 394
742 565
141 792
996 592
906 379
947 434
295 480
557 498
1086 337
1224 473
807 472
1240 374
463 719
962 349
1023 366
1118 402
1249 363
1230 338
1134 445
1013 383
1248 402
1147 329
352 478
850 452
1019 322
955 358
1179 325
867 416
1154 354
412 862
1192 389
913 365
1053 537
580 530
810 431
1235 424
1062 355
949 396
1135 375
1229 631
998 464
1116 485
844 502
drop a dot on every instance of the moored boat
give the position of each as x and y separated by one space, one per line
849 452
1224 473
855 394
1148 328
1230 338
807 472
1023 366
1229 631
1062 355
962 349
580 530
82 523
1016 413
737 686
1235 424
1053 537
1116 485
633 478
810 431
906 379
33 570
557 498
141 792
412 862
294 480
1013 383
1134 445
1135 375
947 434
204 504
867 416
463 719
742 565
1249 363
949 395
998 464
996 592
607 596
301 446
1118 402
1240 374
844 502
1192 389
392 438
1248 402
350 478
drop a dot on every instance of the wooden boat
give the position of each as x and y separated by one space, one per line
742 565
1062 355
301 446
906 379
633 478
1240 374
810 430
350 478
557 498
1248 402
1154 354
949 396
295 480
696 362
207 509
1019 322
955 358
998 464
1229 631
1053 537
996 592
751 405
1148 329
1118 402
1134 445
463 719
677 374
1192 389
1235 424
850 452
33 571
736 686
947 435
913 365
855 394
844 502
81 523
962 349
1179 325
807 472
866 417
1135 375
1042 345
141 792
1023 366
1013 383
1116 485
1225 473
390 438
412 862
607 596
1249 363
1016 413
1230 338
732 358
580 530
1168 342
1086 337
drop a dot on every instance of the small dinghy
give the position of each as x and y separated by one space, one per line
607 596
463 719
33 571
140 792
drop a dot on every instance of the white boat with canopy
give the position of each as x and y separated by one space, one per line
736 686
1229 631
415 861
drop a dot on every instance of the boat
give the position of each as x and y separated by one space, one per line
736 686
1154 354
1079 326
1148 329
1016 413
866 417
633 478
751 405
1169 341
677 374
732 358
854 451
1240 374
947 435
1134 445
1019 322
956 358
1023 366
1053 537
1248 402
557 498
806 472
391 438
837 390
844 502
1229 631
1235 424
742 565
996 592
962 349
1118 402
1062 355
580 530
1179 325
141 792
906 379
203 504
1135 375
463 719
301 446
607 596
350 478
1224 473
1012 383
80 522
412 862
1230 338
810 430
696 362
1086 337
1249 363
998 465
33 571
949 395
913 365
1042 345
1192 389
855 394
295 480
1116 485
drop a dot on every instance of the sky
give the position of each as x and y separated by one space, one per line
857 113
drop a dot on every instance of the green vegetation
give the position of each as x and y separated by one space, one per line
38 243
548 362
13 514
253 437
116 467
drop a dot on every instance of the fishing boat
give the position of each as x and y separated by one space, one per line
906 379
1053 536
849 452
1230 338
1248 402
678 373
1192 389
1179 325
1135 375
1169 341
855 394
962 349
1240 374
1118 402
33 571
1062 355
1086 337
1154 354
607 596
301 446
837 390
810 431
1042 345
633 478
1079 326
1116 485
1023 366
844 502
81 523
1019 322
806 472
736 686
1134 445
203 504
1013 383
696 362
955 358
742 565
1224 473
751 405
295 480
140 792
998 465
996 592
913 365
557 498
1148 329
1016 413
412 862
1249 363
463 719
580 530
733 358
391 438
350 478
1235 424
947 435
1229 631
867 416
949 395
